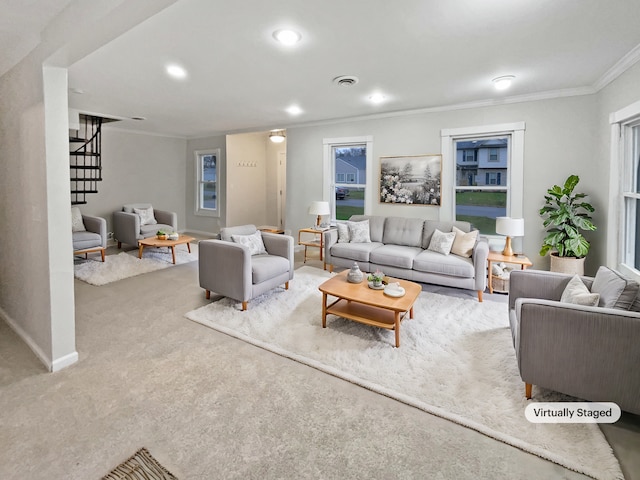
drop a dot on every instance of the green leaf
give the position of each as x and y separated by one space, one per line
570 184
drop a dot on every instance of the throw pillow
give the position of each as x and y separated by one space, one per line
442 242
253 242
77 225
615 290
343 232
359 232
576 292
146 216
464 242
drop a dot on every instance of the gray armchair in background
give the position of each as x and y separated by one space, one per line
591 353
92 239
228 268
129 228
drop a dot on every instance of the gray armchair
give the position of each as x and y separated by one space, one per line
587 352
92 239
127 227
228 268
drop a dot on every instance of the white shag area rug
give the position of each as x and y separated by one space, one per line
127 264
456 360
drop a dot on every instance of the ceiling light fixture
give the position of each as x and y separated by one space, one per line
176 71
346 80
504 82
377 98
276 136
287 37
294 110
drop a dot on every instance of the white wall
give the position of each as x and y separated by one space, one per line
140 168
559 141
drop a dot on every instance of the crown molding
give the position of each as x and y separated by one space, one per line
621 66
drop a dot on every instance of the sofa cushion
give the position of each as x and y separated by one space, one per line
343 232
452 265
464 242
150 230
395 255
442 242
77 225
615 290
376 225
85 239
358 252
403 231
430 226
359 232
576 292
266 267
253 242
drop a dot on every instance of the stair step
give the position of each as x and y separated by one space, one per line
77 139
83 191
84 154
77 179
78 202
85 167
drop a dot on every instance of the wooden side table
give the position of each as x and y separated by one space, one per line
497 257
315 242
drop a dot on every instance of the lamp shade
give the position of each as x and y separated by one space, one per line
511 227
319 208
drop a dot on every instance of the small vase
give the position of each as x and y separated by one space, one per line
355 275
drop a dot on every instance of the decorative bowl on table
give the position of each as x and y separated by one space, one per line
173 236
161 236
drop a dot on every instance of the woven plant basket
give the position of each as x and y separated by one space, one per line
569 265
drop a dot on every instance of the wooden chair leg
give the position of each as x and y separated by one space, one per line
527 390
244 306
286 286
480 295
119 244
102 254
330 268
207 294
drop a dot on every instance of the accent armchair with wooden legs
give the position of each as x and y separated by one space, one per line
228 268
92 239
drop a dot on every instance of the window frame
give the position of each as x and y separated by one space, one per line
515 168
328 173
621 183
200 209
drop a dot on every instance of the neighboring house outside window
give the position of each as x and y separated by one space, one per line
207 182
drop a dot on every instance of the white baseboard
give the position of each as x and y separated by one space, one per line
26 338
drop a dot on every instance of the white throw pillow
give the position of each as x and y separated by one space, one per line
442 242
359 232
464 242
146 216
77 225
343 232
576 292
253 242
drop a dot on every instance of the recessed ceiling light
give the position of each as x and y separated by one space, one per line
276 136
176 71
294 110
346 80
504 82
377 98
287 37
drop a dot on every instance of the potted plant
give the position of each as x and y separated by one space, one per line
376 278
567 215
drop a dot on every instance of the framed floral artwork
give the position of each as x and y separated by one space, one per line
411 179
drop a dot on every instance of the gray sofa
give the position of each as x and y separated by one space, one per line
398 248
587 352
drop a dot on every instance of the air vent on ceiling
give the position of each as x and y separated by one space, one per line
346 80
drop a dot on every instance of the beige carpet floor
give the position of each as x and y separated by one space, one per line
211 406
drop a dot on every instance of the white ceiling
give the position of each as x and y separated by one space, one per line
418 53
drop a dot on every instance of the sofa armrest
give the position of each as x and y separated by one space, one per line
126 227
479 256
280 245
225 268
166 218
330 238
96 225
586 352
537 284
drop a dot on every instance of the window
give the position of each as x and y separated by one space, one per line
491 186
208 182
469 155
631 195
348 160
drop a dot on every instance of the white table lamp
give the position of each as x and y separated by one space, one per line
319 209
511 227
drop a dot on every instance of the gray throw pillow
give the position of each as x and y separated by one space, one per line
615 290
146 216
442 242
343 232
253 242
77 225
576 292
359 232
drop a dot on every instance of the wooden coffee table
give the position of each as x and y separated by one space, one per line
156 242
358 302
